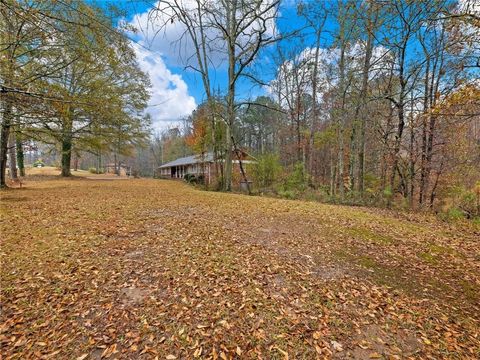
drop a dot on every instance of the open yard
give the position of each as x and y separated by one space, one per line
144 269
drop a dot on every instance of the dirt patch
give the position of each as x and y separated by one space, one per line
330 272
107 178
133 296
373 342
155 228
408 343
279 280
274 240
15 199
135 254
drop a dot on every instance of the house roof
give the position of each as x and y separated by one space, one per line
188 160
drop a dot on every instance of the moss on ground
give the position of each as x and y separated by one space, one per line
369 235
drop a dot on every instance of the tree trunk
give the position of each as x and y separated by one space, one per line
20 154
435 184
333 173
401 117
352 163
12 156
429 153
66 155
362 110
67 137
5 135
7 74
426 107
75 163
242 170
428 135
341 122
397 143
227 173
313 125
421 194
115 167
386 151
299 137
98 163
412 160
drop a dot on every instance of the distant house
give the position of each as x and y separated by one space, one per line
198 165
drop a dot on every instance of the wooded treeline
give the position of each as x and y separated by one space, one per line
372 101
364 102
69 78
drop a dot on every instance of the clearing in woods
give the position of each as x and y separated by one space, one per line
145 269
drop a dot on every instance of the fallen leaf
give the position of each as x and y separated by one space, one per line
337 346
197 352
426 341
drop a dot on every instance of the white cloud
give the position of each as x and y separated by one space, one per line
471 7
295 74
156 32
169 100
160 30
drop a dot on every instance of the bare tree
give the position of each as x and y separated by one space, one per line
316 15
243 27
347 23
372 17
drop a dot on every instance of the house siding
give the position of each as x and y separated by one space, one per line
206 168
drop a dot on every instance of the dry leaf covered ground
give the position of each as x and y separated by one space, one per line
145 269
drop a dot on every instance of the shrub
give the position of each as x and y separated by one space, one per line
295 184
265 170
464 200
38 163
200 179
316 195
386 196
387 193
297 179
372 183
455 214
468 203
353 198
94 170
190 178
288 194
194 179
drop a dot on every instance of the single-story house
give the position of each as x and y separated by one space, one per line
198 165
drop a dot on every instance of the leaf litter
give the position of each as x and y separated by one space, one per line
154 269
